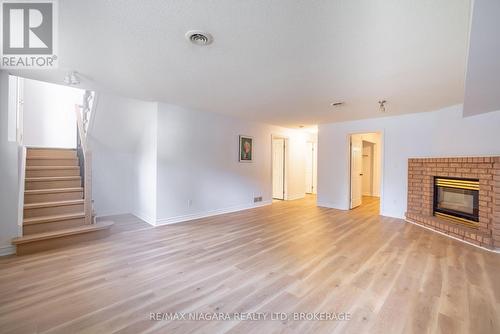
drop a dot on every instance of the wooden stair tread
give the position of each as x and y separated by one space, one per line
62 233
51 167
52 178
50 219
55 209
52 204
51 191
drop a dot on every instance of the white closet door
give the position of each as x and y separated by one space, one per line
278 168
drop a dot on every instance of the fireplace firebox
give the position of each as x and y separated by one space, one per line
457 200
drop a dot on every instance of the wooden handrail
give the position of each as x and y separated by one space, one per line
87 166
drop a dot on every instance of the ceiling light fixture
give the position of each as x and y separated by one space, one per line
382 105
71 78
198 37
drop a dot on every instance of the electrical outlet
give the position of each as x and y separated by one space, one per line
257 199
190 203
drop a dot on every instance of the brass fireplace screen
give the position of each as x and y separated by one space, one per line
457 200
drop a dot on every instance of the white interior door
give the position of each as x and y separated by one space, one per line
309 167
279 168
315 168
356 170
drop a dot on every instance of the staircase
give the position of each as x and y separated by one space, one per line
55 212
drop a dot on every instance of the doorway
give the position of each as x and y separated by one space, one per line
279 167
367 162
365 167
311 167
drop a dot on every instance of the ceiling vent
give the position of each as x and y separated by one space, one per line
198 37
71 78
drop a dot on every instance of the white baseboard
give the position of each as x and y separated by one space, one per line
111 213
7 250
392 215
331 206
193 216
145 217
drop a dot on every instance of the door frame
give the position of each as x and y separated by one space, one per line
285 165
382 166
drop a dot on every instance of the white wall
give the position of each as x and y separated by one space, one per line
120 140
198 169
430 134
49 114
8 173
12 118
167 164
144 167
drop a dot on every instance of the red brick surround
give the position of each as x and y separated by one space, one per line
421 172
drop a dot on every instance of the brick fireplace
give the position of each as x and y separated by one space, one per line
421 210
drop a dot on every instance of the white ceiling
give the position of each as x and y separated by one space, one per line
280 61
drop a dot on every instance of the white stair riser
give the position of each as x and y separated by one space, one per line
53 210
53 184
35 153
52 172
53 197
51 162
52 226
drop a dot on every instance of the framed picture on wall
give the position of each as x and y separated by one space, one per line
246 149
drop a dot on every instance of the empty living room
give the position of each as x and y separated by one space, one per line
250 166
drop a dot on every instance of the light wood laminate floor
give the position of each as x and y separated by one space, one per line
390 276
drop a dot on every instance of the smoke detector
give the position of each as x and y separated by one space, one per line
198 37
